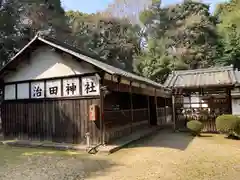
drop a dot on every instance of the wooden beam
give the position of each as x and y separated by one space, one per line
135 84
108 76
125 81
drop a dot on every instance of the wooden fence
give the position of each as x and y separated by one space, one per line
164 116
209 126
120 123
51 120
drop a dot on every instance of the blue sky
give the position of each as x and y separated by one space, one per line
91 6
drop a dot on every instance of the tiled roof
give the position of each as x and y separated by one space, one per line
202 77
77 53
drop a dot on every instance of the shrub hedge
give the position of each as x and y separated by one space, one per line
195 127
228 124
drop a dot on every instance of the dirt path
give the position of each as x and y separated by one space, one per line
165 156
176 156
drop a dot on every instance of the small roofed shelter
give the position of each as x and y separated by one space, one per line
235 94
53 91
201 94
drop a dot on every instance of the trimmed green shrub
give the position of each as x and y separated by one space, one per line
195 127
228 124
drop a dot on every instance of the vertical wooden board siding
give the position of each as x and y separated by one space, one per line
83 119
71 120
33 119
48 119
89 123
96 133
9 121
76 121
80 133
92 125
8 117
19 119
62 128
57 120
29 120
14 125
37 116
3 116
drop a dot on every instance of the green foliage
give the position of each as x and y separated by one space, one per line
195 127
20 20
115 40
228 15
228 124
182 36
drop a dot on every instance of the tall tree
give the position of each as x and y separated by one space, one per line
115 40
20 20
9 29
44 15
228 15
188 31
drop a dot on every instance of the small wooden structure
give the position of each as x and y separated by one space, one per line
52 91
235 94
202 94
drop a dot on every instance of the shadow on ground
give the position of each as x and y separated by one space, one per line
165 139
47 164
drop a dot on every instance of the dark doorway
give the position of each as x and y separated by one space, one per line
152 110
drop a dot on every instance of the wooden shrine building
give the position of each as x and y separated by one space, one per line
203 94
52 91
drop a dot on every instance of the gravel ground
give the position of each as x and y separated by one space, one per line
165 156
38 164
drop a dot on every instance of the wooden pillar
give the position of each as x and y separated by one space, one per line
165 110
131 106
229 100
156 103
149 120
173 112
102 125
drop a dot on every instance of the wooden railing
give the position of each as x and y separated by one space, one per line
209 126
164 116
140 115
120 122
117 118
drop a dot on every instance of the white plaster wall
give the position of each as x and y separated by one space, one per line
236 106
46 63
9 92
23 91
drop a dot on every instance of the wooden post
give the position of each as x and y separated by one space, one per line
102 126
173 112
131 105
149 116
229 100
165 110
156 105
